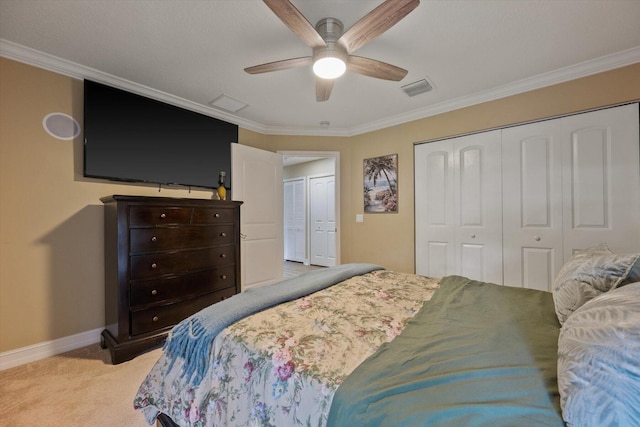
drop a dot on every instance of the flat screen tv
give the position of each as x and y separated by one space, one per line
129 137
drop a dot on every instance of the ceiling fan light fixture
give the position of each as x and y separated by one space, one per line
329 67
330 61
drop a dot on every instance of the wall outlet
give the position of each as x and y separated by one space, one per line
359 218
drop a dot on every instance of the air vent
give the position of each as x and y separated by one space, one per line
416 88
227 103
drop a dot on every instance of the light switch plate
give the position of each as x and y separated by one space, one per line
359 218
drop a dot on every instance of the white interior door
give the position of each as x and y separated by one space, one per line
458 202
434 205
532 204
256 180
600 180
478 206
323 220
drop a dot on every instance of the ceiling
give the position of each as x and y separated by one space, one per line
189 52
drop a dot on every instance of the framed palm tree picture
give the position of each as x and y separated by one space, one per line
381 184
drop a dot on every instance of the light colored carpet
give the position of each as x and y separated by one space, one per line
81 388
76 389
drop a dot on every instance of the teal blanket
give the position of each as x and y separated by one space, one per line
191 339
477 354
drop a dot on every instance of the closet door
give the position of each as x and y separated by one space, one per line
478 206
569 183
601 180
532 204
459 207
434 209
295 214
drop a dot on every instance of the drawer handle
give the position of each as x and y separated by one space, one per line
223 234
223 255
223 277
154 238
163 215
155 318
154 292
216 215
154 265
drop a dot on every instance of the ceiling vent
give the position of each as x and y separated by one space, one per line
227 103
416 88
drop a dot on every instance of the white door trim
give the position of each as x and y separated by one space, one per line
335 155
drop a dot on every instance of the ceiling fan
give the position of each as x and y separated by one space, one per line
332 49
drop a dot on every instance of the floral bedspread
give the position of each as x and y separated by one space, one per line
281 367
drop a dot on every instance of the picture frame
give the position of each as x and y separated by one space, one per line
380 177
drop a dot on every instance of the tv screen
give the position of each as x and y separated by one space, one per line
129 137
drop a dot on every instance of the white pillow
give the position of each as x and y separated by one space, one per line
599 361
589 273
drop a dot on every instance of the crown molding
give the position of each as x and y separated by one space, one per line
52 63
49 62
561 75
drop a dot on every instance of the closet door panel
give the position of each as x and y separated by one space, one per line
434 209
590 170
538 268
473 261
532 204
601 180
478 206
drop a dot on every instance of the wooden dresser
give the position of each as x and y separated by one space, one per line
165 259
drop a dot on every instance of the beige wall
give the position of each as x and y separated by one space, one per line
387 239
51 230
51 267
315 167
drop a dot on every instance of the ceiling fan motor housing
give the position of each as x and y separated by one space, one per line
330 29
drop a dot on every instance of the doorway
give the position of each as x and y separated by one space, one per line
319 243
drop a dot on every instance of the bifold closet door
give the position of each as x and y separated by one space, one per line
478 206
434 209
569 184
295 220
532 204
601 180
459 207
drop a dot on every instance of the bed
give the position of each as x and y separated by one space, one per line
359 345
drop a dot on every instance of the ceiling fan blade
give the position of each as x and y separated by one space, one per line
296 22
279 65
323 89
376 22
374 68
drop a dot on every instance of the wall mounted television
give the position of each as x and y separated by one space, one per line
129 137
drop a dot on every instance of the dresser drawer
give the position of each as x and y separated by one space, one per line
162 290
164 263
141 216
213 215
163 316
162 239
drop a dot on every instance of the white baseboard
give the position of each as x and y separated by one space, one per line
45 349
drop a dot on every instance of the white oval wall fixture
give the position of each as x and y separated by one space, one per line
61 126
